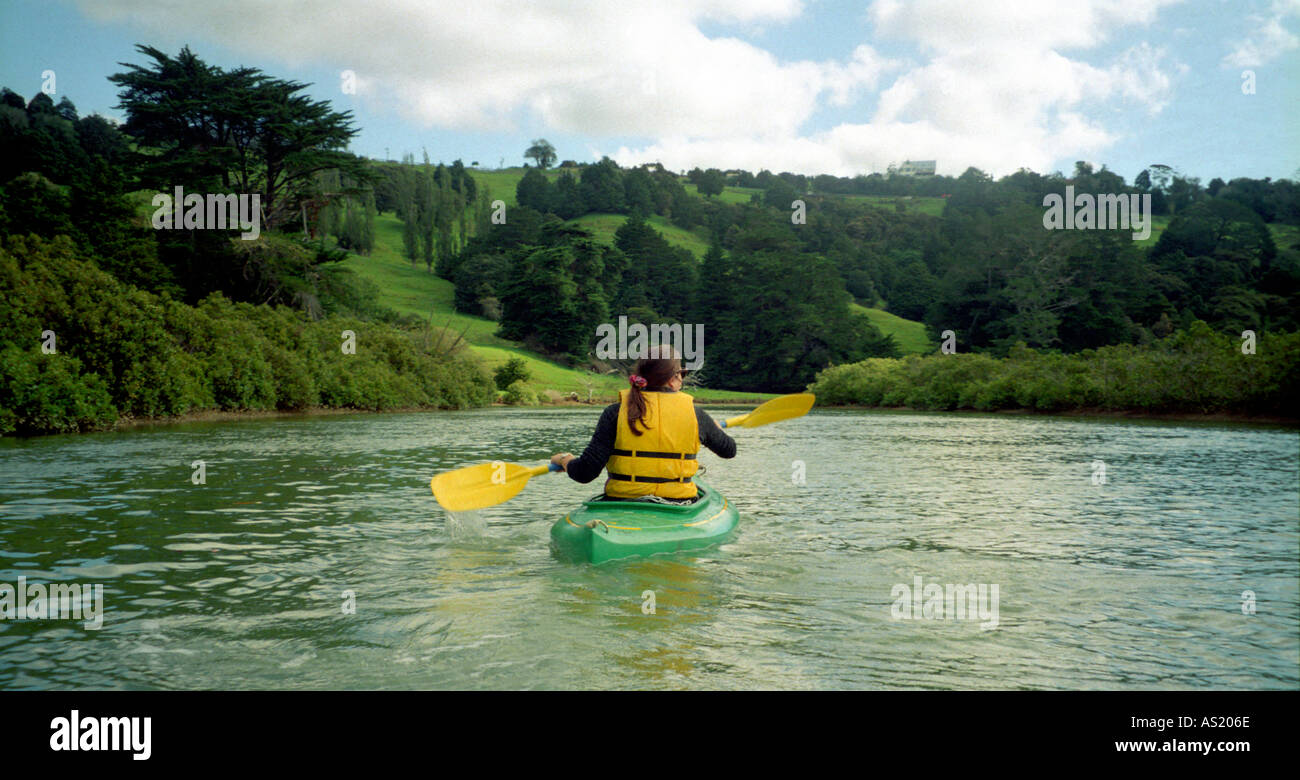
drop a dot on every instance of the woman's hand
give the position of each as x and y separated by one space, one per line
562 459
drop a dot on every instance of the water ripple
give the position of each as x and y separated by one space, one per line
313 556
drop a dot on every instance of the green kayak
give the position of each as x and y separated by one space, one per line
602 530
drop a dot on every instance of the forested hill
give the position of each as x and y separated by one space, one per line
785 257
788 274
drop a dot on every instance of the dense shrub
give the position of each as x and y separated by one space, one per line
1192 370
520 394
49 393
122 352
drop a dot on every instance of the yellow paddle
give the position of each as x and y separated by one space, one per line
486 484
784 408
489 484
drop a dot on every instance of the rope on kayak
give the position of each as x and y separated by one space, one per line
593 523
653 499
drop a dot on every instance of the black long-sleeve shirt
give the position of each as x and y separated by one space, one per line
588 466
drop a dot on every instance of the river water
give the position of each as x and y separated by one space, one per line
1125 555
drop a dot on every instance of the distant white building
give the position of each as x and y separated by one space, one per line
913 168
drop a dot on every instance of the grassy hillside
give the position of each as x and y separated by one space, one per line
909 334
1285 236
501 183
729 194
916 205
603 227
411 289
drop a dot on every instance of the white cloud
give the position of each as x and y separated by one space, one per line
1268 40
589 66
994 86
943 25
994 91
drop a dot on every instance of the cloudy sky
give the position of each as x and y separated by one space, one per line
812 86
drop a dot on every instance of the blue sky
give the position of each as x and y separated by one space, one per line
815 86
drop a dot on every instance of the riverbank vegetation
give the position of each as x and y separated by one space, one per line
1194 371
113 352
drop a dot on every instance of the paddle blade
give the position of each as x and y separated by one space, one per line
486 484
784 408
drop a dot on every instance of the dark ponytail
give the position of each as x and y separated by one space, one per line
652 373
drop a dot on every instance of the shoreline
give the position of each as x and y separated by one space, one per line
226 415
214 415
1093 413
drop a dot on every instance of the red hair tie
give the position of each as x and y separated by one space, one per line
637 381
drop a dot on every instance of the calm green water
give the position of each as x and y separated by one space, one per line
238 583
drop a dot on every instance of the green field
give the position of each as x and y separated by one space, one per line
603 227
1285 236
908 334
915 205
729 194
501 183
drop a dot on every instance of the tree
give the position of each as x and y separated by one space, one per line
410 231
602 187
542 152
914 292
66 109
427 204
638 190
101 139
568 198
42 103
712 182
540 304
479 282
536 192
239 130
513 370
34 204
1220 229
1183 192
780 194
775 319
667 275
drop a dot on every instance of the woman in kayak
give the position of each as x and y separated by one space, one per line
650 438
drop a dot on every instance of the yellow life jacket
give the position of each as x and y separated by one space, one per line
661 461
